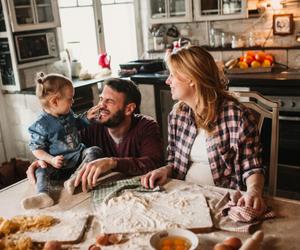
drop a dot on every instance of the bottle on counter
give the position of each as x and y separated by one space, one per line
212 37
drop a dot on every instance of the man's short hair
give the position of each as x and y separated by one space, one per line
128 87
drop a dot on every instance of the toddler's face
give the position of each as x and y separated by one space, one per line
65 101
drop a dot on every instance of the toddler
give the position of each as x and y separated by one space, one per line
55 138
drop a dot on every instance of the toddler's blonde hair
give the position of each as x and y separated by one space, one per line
51 84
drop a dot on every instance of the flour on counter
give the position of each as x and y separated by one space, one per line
134 212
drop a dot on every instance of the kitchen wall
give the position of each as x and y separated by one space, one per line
22 110
260 26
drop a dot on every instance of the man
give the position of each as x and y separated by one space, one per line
131 142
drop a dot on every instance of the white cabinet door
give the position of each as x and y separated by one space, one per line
33 14
170 11
219 9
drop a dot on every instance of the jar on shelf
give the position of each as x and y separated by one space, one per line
234 43
251 40
212 37
217 38
226 7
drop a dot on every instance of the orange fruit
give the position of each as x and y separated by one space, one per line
266 63
270 58
260 56
255 64
249 53
248 59
243 65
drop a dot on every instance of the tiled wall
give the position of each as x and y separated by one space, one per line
261 27
22 111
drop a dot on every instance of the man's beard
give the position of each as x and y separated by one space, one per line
115 120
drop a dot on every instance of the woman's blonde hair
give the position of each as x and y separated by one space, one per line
48 85
199 66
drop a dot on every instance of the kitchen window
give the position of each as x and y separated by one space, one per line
78 30
93 26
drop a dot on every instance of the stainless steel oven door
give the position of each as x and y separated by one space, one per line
289 155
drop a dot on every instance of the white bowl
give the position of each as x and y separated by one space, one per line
155 238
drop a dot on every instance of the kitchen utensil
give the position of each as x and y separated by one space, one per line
104 60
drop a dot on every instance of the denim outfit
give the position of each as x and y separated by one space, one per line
59 136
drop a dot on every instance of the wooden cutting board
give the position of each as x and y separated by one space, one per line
70 229
181 205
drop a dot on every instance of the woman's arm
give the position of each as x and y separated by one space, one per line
253 196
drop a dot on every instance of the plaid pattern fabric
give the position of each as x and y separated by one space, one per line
106 191
229 217
244 214
234 150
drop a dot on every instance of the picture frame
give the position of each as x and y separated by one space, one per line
283 24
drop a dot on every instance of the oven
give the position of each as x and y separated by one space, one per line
289 146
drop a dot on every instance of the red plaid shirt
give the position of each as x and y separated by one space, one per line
234 149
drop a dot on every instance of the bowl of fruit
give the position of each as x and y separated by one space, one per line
250 62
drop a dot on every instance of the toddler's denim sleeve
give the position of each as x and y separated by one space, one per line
81 120
38 137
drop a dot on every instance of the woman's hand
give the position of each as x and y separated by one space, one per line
93 112
31 170
91 171
156 177
253 200
253 197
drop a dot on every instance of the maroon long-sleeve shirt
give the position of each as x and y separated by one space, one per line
139 152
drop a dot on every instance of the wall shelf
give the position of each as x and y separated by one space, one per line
235 49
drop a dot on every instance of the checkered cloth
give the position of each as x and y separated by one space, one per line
106 191
230 217
244 214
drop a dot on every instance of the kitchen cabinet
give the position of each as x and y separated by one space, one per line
170 11
219 9
13 75
2 22
33 14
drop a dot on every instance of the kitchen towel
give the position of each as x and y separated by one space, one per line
230 217
104 192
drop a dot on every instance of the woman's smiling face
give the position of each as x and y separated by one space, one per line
182 88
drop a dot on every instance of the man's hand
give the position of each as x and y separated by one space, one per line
93 112
31 170
91 171
156 177
57 161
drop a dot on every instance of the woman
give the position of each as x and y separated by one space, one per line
213 139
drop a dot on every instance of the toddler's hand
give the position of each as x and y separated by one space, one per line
57 161
93 112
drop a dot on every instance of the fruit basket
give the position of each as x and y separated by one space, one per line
249 70
250 62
